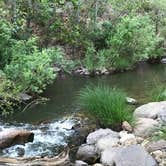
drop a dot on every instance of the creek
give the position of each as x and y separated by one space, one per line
52 122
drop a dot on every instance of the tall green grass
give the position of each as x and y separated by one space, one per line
107 105
159 93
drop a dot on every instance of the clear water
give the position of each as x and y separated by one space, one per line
63 93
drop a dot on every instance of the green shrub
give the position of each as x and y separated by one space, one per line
159 93
5 43
8 95
90 60
107 105
133 39
30 68
32 72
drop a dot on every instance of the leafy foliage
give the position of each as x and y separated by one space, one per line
133 40
31 68
5 43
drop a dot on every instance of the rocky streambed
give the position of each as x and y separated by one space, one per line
131 146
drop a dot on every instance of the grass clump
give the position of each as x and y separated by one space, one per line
159 93
107 105
161 134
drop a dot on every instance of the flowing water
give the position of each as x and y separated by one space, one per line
48 121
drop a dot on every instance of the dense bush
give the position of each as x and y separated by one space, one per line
9 97
5 43
107 105
31 68
134 39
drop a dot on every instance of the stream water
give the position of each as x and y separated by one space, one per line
48 121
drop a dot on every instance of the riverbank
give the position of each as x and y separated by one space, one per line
139 145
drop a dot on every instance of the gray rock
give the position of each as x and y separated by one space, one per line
80 163
25 97
108 156
98 164
163 60
162 115
154 146
130 100
145 127
106 142
150 110
87 153
128 139
133 155
93 137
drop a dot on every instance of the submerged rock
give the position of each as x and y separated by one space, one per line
133 155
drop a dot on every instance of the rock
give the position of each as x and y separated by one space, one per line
139 140
130 100
126 126
145 127
162 115
150 110
122 133
80 163
128 139
87 153
97 164
163 60
154 146
20 151
106 142
12 137
108 155
93 137
158 155
133 155
25 97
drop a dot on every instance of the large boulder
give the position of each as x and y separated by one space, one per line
145 127
151 110
133 155
10 137
93 137
106 142
87 153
